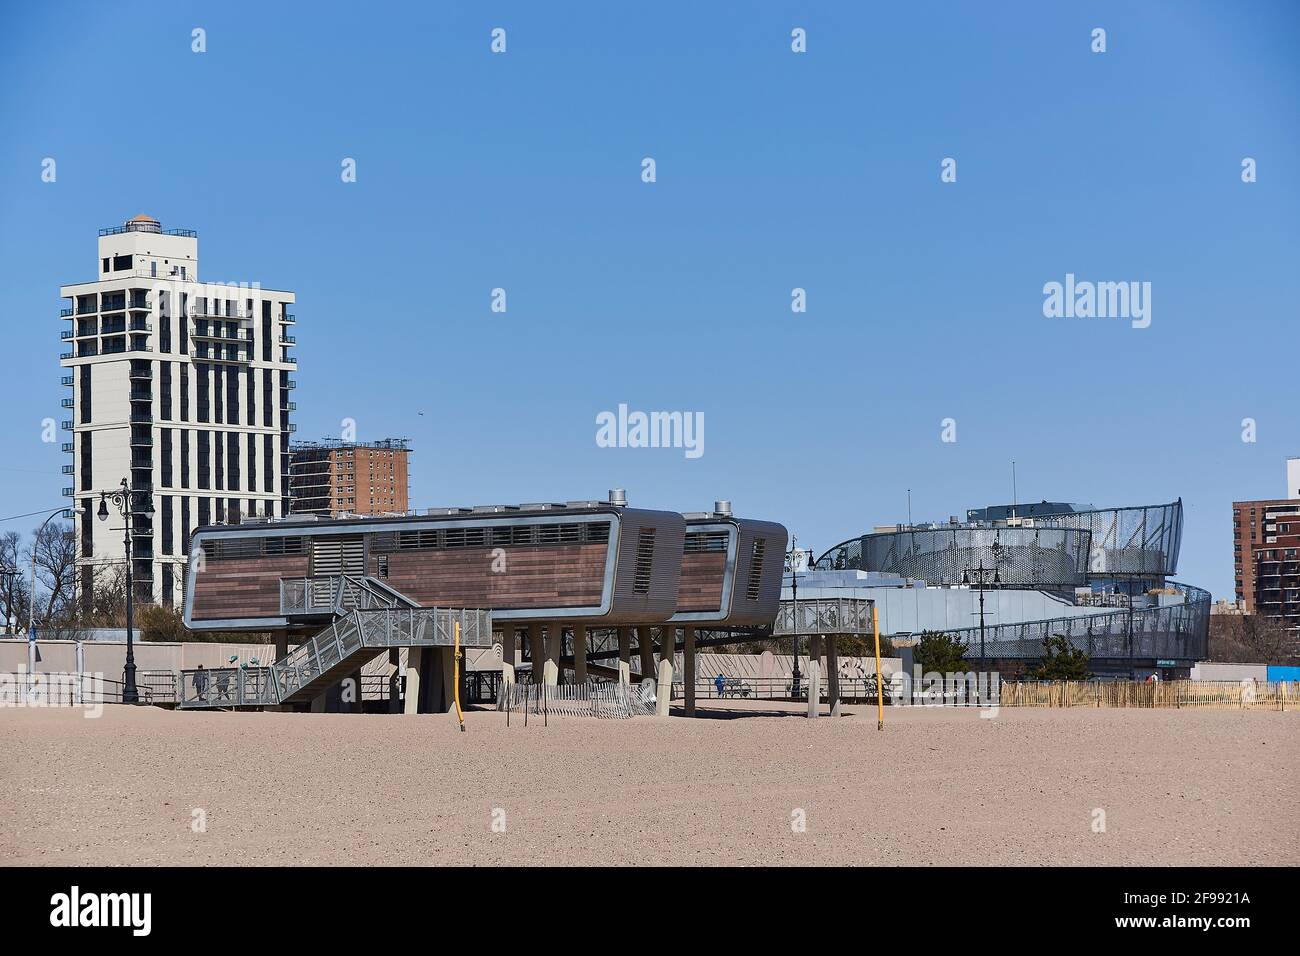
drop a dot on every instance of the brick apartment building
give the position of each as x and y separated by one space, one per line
1266 554
336 478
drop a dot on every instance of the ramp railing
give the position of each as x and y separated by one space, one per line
352 634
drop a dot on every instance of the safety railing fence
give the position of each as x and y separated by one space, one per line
779 688
63 689
823 616
227 687
373 627
1171 631
334 593
602 699
1242 695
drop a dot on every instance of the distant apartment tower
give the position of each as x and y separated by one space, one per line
335 478
182 388
1266 553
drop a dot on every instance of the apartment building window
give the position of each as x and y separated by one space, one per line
266 331
252 463
185 393
164 323
232 459
201 374
232 396
84 374
87 458
218 393
219 510
205 514
268 463
87 529
268 407
185 458
232 511
167 524
185 525
166 436
250 413
165 390
218 462
182 324
205 464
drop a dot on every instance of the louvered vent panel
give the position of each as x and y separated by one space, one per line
645 552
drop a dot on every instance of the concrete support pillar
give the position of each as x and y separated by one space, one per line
536 651
446 665
394 680
667 643
509 656
579 653
415 666
688 668
664 687
814 682
833 674
646 648
554 643
625 655
281 644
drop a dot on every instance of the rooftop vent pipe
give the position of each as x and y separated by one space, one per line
617 496
722 507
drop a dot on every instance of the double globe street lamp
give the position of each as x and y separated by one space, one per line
129 501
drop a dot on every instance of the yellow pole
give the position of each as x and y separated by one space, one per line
880 678
455 678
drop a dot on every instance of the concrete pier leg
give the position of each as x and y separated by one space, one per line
579 653
814 675
554 642
395 680
446 665
508 656
536 651
667 643
664 687
625 654
833 674
414 666
646 647
281 650
688 668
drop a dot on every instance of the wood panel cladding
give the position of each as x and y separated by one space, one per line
701 582
560 575
244 587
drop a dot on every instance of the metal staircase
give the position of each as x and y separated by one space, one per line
368 616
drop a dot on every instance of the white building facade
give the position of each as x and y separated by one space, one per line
182 388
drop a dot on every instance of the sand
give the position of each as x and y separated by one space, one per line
939 786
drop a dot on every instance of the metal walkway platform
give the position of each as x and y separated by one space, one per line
368 617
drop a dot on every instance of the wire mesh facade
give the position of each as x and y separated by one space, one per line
1170 632
1058 551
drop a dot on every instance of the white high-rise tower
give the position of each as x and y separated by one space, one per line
179 386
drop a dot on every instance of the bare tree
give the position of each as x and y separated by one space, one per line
13 582
1252 638
55 547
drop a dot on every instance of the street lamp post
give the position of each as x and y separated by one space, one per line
31 597
126 498
981 577
794 588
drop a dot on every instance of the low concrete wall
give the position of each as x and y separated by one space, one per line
109 657
1206 670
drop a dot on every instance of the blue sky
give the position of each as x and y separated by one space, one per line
775 170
